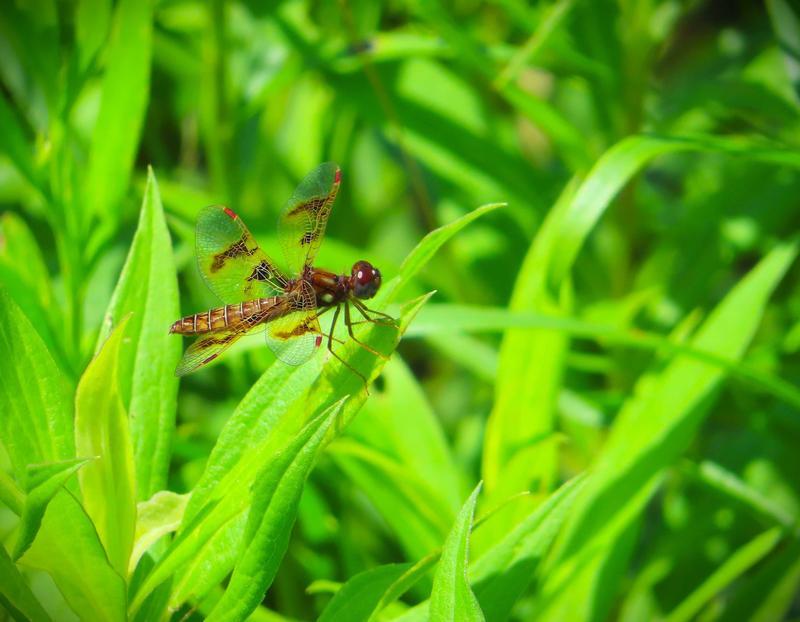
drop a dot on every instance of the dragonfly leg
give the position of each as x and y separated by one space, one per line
348 322
341 360
383 319
324 334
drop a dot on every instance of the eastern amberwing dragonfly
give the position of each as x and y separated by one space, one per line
260 296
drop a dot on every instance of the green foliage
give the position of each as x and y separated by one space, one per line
452 597
585 218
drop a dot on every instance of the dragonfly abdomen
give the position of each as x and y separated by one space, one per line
222 318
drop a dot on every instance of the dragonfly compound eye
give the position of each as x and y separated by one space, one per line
366 279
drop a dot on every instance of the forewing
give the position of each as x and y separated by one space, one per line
231 262
295 336
302 222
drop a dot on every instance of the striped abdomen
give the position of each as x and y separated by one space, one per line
225 317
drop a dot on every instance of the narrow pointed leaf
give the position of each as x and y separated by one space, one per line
122 108
739 562
275 498
148 291
107 484
653 429
452 599
427 248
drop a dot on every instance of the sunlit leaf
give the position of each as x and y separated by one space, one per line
159 515
148 291
108 484
654 427
126 84
276 495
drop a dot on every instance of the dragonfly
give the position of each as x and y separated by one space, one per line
259 296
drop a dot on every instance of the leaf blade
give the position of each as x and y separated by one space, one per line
108 484
452 598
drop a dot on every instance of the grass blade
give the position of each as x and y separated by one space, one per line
427 247
123 104
452 597
738 563
148 291
108 484
652 430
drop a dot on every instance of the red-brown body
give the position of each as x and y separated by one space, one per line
330 289
230 316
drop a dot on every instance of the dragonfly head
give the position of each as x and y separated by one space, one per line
365 279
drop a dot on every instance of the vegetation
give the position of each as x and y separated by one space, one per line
586 217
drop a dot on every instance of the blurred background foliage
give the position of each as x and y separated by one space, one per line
432 108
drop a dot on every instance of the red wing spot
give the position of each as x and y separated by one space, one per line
209 359
230 213
338 177
318 342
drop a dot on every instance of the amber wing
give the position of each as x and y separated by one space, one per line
295 335
302 222
233 266
210 345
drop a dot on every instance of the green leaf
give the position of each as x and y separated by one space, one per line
426 249
738 563
525 410
159 515
35 398
529 375
358 598
25 275
92 19
16 145
787 30
770 590
504 572
276 496
43 481
68 548
443 322
655 426
452 597
249 427
108 484
720 478
148 291
15 595
126 86
416 515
